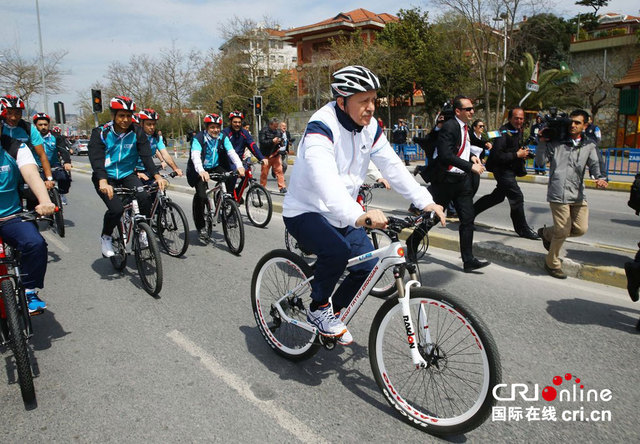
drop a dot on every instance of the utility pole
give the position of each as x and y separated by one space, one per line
44 85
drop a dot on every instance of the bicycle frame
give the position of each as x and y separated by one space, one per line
215 206
7 262
247 180
390 256
130 217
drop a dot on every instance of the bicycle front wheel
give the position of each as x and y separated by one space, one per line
119 260
232 226
453 394
173 229
17 341
279 280
258 205
148 259
58 216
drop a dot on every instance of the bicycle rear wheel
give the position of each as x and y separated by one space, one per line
58 216
453 394
119 260
386 285
279 280
258 205
148 259
232 225
17 341
173 229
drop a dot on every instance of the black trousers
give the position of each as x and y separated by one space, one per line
506 186
115 208
459 190
200 198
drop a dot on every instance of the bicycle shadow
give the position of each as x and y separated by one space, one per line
217 240
69 223
46 330
105 270
583 312
53 256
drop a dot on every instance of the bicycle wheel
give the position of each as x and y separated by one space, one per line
232 225
280 277
58 216
148 259
119 260
386 285
258 205
291 244
17 341
173 229
453 394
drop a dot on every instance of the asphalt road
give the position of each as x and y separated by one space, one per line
116 365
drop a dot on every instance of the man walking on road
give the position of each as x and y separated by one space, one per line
506 161
568 160
399 135
270 140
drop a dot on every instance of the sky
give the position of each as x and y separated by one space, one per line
97 33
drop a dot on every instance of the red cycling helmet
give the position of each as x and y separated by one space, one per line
56 129
213 118
12 102
135 118
148 114
233 114
40 116
122 102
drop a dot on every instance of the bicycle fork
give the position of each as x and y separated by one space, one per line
404 295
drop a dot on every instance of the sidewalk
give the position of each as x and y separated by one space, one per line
597 263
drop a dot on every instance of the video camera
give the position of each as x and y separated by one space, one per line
556 126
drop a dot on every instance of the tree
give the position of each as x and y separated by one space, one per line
280 96
22 76
138 78
595 4
546 37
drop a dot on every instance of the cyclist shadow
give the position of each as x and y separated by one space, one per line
106 272
53 256
342 362
217 240
583 312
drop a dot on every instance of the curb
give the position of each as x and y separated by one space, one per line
588 183
494 251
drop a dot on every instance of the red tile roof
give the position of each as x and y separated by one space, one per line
356 16
632 77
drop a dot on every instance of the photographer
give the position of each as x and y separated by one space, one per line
567 162
270 140
506 161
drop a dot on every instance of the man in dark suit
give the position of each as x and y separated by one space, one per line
451 180
506 161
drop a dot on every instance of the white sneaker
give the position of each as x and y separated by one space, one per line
107 246
326 322
345 339
144 242
63 198
202 235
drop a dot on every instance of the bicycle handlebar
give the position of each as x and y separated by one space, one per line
395 224
29 216
219 177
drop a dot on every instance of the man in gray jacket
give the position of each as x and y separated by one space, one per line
565 194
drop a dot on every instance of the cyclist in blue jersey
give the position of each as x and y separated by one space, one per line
320 208
204 159
148 119
57 154
17 165
241 140
17 128
114 149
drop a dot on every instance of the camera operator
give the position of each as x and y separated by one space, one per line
506 161
568 160
270 140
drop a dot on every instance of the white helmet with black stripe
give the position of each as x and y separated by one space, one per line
353 79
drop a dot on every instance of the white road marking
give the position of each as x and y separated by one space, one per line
55 241
285 419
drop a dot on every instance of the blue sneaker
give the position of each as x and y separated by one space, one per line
35 304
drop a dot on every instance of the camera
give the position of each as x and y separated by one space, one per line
531 155
556 125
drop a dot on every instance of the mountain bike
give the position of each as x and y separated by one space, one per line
220 207
15 320
434 360
133 234
168 220
257 201
58 216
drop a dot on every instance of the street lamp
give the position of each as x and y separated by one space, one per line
44 85
503 18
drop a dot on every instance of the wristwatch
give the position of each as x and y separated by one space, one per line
49 178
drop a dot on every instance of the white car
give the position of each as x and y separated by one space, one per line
80 148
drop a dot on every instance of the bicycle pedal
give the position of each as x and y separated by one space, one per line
327 342
36 312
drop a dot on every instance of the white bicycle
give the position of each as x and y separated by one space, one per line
434 360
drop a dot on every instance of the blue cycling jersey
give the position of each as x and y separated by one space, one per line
156 144
17 132
10 179
211 154
121 153
51 149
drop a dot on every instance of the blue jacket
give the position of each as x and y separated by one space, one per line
156 144
55 149
10 177
25 133
239 140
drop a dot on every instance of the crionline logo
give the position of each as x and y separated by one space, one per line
549 393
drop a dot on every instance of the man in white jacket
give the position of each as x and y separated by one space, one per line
320 209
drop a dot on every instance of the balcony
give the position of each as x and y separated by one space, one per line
598 41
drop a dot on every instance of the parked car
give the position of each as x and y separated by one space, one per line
79 147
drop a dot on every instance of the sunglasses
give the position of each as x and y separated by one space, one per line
480 126
466 109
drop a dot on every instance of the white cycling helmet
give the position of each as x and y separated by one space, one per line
353 79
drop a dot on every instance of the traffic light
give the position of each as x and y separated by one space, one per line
59 112
96 100
257 105
220 105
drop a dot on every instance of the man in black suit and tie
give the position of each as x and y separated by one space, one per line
453 182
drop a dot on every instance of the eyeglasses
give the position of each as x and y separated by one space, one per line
577 122
480 126
470 108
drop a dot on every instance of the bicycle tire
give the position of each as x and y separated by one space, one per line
276 274
17 341
386 285
148 260
463 346
58 216
291 244
119 259
232 225
258 204
173 229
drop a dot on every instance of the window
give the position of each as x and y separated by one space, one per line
272 58
281 59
